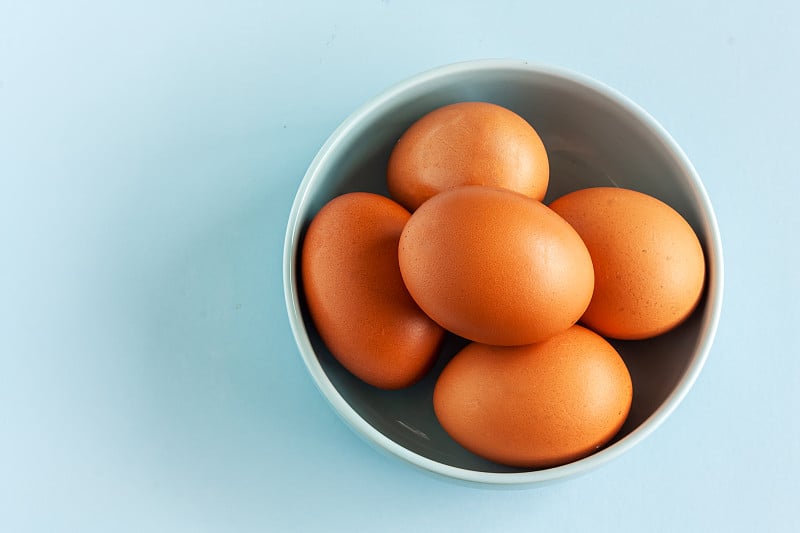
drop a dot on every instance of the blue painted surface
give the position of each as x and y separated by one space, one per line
149 155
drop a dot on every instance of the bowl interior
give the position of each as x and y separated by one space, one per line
592 139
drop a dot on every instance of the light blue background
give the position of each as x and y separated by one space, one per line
149 155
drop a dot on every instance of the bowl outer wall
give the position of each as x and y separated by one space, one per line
380 441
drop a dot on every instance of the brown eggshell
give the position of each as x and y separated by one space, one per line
649 264
535 406
494 266
356 296
468 143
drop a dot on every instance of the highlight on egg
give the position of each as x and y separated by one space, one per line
467 143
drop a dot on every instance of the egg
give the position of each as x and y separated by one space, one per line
494 266
356 296
538 405
649 264
468 143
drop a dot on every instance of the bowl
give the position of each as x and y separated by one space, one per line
594 136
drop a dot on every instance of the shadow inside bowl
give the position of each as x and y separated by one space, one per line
407 417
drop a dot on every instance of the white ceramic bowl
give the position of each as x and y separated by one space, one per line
594 136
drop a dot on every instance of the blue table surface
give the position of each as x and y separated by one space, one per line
149 156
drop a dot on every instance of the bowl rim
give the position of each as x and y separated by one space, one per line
712 313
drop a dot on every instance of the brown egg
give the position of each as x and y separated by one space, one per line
495 266
356 296
538 405
649 265
469 143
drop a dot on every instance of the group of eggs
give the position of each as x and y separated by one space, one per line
465 245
